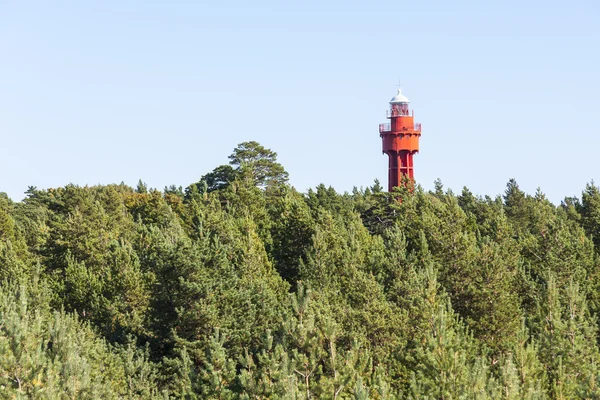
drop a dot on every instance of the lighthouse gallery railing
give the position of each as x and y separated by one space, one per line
387 127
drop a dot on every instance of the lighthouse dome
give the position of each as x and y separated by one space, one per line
399 98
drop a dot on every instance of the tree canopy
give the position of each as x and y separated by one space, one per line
240 287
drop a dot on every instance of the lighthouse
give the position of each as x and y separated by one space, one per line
400 139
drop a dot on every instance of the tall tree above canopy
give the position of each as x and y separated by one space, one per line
260 162
590 212
249 162
515 206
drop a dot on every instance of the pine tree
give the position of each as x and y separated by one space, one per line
568 342
590 212
445 361
218 372
261 162
531 372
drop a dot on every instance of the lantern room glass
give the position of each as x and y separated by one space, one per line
400 109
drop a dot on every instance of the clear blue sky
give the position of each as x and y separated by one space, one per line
109 91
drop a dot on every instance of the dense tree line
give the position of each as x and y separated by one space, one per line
238 286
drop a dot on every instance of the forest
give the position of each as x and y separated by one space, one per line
240 287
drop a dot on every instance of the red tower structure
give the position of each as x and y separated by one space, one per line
400 140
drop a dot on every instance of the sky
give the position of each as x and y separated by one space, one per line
99 92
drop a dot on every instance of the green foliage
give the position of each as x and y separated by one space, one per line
240 287
589 209
291 232
218 179
259 164
55 356
568 347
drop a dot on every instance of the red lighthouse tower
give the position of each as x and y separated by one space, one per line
400 140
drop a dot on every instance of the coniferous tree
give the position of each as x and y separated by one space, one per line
590 212
568 342
120 292
261 163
